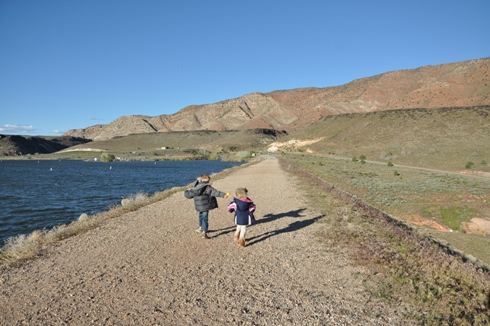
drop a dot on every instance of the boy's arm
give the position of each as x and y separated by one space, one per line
189 194
217 193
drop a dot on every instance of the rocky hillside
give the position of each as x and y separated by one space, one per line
459 84
12 145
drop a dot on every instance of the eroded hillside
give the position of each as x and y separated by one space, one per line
461 84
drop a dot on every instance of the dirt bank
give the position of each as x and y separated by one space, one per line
150 267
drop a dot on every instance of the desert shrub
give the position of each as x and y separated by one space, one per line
354 159
363 159
483 162
134 201
390 163
469 165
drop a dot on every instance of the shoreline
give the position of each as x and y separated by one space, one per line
97 209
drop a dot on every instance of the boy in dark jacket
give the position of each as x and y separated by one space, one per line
244 214
204 200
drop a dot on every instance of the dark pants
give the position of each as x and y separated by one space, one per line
203 221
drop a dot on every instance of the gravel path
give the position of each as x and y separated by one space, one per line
150 267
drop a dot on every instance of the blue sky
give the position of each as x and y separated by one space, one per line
73 64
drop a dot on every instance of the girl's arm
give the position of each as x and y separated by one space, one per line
232 207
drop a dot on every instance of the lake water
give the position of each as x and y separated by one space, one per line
37 195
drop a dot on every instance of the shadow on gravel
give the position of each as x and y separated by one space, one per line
265 219
290 228
272 217
222 231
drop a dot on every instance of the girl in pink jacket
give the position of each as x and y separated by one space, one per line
244 214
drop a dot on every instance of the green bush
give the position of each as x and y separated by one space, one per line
212 157
469 165
390 164
108 158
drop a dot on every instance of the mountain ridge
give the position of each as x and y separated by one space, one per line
459 84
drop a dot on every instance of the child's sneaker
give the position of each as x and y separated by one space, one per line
241 242
199 230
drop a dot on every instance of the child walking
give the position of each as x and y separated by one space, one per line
204 200
244 214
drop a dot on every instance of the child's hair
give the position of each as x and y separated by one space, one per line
241 193
204 178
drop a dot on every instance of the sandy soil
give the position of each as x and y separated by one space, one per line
150 267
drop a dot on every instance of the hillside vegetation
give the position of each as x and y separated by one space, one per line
444 139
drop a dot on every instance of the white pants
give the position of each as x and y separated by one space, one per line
241 230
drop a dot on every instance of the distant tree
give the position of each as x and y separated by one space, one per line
108 158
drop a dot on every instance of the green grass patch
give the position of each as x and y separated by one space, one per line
451 216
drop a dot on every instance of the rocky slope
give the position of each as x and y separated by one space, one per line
458 84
